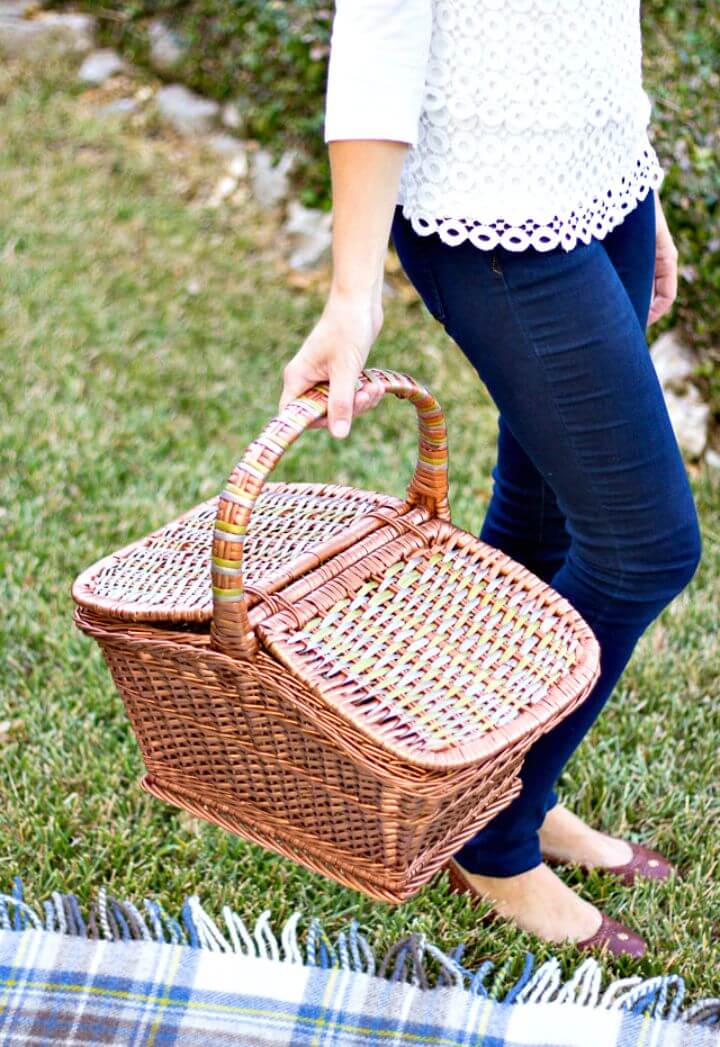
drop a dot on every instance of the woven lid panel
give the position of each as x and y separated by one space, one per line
166 575
438 649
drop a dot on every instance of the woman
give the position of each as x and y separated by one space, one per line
503 144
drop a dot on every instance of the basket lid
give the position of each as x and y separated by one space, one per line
165 576
442 649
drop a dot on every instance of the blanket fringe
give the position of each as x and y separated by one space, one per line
411 959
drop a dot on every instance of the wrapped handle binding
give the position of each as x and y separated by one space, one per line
230 630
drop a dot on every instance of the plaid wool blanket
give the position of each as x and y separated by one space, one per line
130 977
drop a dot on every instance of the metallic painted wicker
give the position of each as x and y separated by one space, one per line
362 707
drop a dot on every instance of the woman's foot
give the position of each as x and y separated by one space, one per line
566 838
539 902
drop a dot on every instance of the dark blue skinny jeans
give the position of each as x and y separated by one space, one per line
590 490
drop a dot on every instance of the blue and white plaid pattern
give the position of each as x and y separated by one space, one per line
58 989
129 974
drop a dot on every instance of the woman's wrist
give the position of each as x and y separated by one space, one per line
357 305
363 291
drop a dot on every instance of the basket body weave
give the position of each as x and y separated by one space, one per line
364 704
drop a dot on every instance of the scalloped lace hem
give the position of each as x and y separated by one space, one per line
596 220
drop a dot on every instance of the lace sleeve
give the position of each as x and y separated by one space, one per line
379 51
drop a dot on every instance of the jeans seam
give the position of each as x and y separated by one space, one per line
531 342
543 485
438 300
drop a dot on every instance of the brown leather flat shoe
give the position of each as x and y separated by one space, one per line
643 862
619 939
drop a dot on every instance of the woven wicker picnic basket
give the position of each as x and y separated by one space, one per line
339 675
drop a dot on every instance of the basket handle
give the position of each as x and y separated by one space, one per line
230 630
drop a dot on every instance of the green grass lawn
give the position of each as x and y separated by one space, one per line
127 397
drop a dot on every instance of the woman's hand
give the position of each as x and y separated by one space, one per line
335 351
666 267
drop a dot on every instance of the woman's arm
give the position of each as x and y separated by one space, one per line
376 74
364 176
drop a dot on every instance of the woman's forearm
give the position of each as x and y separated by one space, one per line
376 76
365 175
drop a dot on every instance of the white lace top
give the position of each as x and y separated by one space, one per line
526 119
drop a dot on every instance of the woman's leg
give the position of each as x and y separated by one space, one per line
555 337
523 517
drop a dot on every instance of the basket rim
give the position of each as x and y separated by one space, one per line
83 594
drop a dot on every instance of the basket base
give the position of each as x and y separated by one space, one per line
288 848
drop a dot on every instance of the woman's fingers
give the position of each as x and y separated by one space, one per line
335 352
372 393
365 399
665 290
341 397
666 267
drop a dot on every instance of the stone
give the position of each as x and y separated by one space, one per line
231 116
712 458
232 148
120 105
100 65
238 166
33 38
675 364
167 47
189 113
16 8
690 418
311 229
225 187
674 361
234 115
270 183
